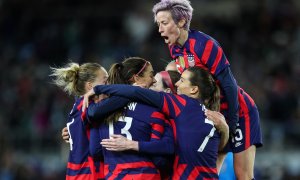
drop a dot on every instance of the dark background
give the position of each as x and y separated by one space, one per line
261 39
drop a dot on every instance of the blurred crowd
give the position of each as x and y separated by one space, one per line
261 39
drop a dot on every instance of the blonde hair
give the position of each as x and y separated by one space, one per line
72 77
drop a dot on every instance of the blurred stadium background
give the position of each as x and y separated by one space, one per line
260 38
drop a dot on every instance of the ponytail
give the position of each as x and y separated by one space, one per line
209 91
213 102
123 73
67 78
116 75
72 77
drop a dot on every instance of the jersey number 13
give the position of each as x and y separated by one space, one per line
125 129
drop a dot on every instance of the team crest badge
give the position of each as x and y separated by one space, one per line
191 60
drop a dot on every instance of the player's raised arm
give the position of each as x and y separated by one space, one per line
98 111
134 93
171 105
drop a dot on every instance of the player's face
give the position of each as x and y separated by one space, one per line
101 79
158 85
167 27
147 78
184 85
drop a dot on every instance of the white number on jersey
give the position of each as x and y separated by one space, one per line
125 129
70 138
238 136
211 133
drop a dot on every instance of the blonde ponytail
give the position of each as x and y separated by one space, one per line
72 77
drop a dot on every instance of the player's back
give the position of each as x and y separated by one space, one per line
80 163
197 139
140 123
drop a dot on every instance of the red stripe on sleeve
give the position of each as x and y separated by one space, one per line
157 127
154 136
206 53
192 49
80 105
158 115
172 122
165 107
167 122
176 108
217 61
186 61
181 100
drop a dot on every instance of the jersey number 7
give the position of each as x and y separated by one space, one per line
211 133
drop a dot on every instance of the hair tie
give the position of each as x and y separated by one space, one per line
142 68
167 79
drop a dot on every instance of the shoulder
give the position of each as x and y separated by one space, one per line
144 112
140 108
202 37
76 106
192 101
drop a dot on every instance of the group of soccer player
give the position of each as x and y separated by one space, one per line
174 130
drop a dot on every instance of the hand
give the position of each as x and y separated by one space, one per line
217 118
86 96
221 125
99 98
65 134
119 143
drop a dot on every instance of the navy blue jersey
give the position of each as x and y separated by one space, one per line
80 164
140 123
203 51
199 50
196 138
